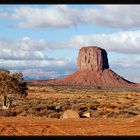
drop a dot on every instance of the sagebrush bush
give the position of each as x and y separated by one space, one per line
12 83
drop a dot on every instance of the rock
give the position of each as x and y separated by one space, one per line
92 58
58 108
129 96
86 115
54 108
93 70
70 114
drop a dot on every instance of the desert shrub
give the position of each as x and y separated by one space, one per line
125 114
54 115
38 112
111 114
92 107
51 107
12 83
9 113
66 107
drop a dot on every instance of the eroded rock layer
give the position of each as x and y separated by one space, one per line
92 58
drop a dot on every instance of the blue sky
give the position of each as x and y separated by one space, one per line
40 39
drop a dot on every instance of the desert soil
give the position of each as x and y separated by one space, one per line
40 126
32 125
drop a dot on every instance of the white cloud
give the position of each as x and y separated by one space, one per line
53 16
23 49
27 53
114 16
28 44
32 63
125 64
128 67
125 42
46 65
135 79
128 62
121 42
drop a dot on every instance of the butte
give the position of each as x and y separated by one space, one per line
93 70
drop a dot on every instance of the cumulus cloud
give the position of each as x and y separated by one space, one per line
132 62
24 49
53 16
28 44
115 16
27 53
44 69
60 16
124 42
34 63
33 53
124 65
120 42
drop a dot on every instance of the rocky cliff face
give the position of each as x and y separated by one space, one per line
92 58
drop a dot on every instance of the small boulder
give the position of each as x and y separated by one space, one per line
70 114
86 115
58 108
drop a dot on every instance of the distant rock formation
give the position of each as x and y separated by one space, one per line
93 70
92 58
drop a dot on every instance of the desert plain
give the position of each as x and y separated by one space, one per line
112 112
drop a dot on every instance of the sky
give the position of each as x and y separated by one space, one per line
42 41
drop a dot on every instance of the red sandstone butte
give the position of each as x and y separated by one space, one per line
92 59
93 70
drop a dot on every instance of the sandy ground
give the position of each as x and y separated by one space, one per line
42 126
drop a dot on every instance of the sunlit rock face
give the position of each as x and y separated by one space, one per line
92 58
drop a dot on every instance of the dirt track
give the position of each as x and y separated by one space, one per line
39 126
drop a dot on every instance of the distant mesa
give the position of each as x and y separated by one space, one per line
93 70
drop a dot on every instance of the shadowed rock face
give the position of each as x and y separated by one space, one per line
92 58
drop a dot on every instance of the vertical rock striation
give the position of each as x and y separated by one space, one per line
92 58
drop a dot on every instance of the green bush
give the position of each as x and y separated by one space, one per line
12 83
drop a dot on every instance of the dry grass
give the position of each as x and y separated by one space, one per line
101 103
113 112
